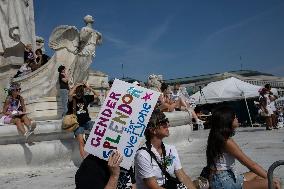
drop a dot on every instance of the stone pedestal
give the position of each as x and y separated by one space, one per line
17 30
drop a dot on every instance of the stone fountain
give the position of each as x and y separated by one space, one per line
73 48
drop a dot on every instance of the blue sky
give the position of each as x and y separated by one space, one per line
175 38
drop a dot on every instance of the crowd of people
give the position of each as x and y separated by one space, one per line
156 164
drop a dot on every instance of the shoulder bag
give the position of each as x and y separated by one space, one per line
171 182
70 122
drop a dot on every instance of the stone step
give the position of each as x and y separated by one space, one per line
45 131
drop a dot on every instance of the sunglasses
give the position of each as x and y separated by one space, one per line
163 123
19 89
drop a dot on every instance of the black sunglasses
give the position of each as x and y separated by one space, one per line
19 89
163 121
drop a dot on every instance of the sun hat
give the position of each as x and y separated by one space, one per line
14 86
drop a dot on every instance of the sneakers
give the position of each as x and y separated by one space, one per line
28 135
86 136
32 126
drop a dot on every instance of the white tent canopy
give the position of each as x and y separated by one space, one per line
226 90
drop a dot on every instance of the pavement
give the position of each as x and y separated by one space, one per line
264 147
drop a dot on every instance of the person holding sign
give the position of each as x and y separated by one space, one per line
98 173
157 165
82 101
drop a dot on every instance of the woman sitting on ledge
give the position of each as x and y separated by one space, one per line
222 151
167 103
14 111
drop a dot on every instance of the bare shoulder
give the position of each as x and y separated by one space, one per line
231 146
231 142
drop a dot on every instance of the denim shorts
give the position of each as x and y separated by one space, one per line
227 180
85 126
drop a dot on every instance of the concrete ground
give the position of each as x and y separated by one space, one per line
263 146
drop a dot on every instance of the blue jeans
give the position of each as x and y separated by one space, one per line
82 127
227 180
64 100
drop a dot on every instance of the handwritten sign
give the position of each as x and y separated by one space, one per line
121 122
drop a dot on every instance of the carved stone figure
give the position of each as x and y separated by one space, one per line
82 43
154 82
16 30
89 38
17 23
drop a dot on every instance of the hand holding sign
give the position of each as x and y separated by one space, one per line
114 162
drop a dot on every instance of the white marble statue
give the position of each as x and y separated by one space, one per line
82 43
89 38
17 23
154 82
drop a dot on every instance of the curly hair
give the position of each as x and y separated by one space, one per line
60 68
156 118
221 130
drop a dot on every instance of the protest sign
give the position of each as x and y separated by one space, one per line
121 122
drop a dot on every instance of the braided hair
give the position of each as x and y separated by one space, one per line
156 119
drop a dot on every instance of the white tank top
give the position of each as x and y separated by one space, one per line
225 162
